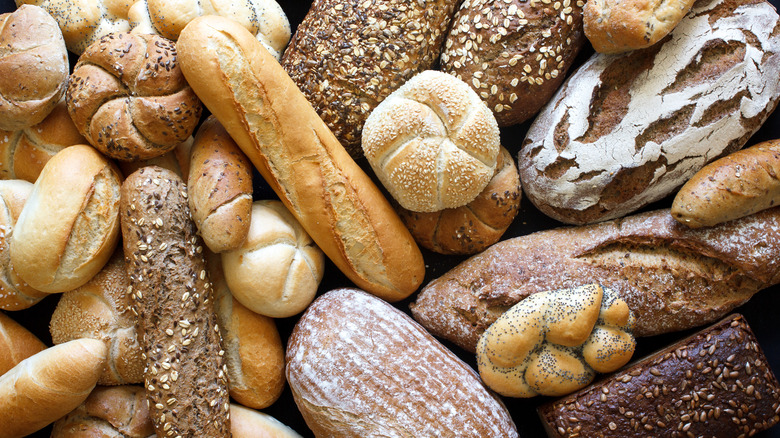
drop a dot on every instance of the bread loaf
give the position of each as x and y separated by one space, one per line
359 367
69 225
348 56
732 187
16 343
108 412
33 67
627 130
673 278
269 118
185 375
715 383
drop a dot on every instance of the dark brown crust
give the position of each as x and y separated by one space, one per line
186 374
673 278
714 383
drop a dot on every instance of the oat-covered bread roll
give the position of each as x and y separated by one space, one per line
128 97
615 26
101 309
33 67
554 342
278 268
16 343
265 19
473 227
108 412
433 143
83 22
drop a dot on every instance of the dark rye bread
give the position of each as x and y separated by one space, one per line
349 55
186 374
672 277
716 383
514 53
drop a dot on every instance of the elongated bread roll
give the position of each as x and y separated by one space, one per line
16 343
273 123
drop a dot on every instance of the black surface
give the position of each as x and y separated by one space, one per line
761 311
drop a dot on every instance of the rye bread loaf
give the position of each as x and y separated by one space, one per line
627 130
359 367
672 277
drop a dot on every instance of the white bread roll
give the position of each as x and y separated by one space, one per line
48 385
433 143
277 270
69 225
108 412
248 423
16 343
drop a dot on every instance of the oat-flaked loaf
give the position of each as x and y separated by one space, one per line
186 374
716 383
672 277
513 53
359 367
627 130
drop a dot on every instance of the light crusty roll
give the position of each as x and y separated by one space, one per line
248 423
46 386
732 187
274 124
69 225
277 270
33 67
101 309
220 188
16 343
186 375
433 143
108 412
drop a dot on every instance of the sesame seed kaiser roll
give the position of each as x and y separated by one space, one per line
432 143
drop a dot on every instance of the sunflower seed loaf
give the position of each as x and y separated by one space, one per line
625 131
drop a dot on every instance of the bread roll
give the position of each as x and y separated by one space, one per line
127 96
265 19
69 225
475 226
108 412
246 423
220 188
732 187
186 375
277 270
16 343
348 56
33 67
48 385
432 143
101 309
269 118
176 160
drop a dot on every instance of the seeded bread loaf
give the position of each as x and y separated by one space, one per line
715 383
186 374
627 130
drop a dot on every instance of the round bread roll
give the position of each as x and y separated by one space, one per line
176 160
128 97
277 270
69 225
83 22
16 343
264 18
248 423
33 67
108 412
475 226
433 143
100 309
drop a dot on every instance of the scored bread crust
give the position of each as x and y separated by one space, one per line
186 374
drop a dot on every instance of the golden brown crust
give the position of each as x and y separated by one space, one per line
16 343
108 412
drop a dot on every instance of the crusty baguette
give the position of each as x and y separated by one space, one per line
673 278
186 374
16 343
273 123
732 187
48 385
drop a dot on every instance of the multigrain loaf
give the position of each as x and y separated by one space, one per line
348 56
672 277
627 130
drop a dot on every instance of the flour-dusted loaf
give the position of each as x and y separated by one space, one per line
627 130
672 277
359 367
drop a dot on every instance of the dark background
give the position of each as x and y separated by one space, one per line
761 311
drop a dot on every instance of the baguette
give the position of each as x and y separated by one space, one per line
672 277
273 123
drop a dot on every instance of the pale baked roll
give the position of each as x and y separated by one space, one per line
248 423
33 67
108 412
432 143
16 343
